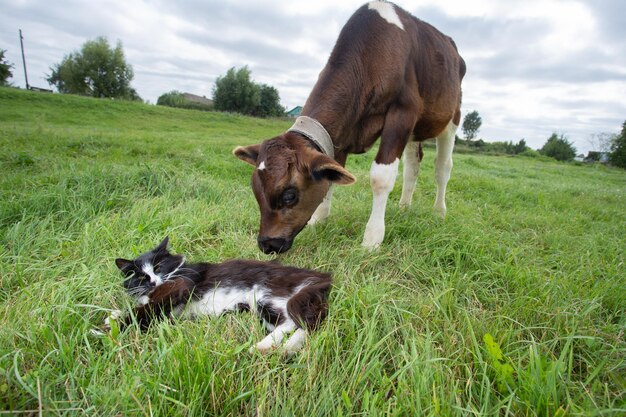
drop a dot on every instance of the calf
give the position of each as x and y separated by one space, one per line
390 75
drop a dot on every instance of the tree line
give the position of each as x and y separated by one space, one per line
557 146
100 70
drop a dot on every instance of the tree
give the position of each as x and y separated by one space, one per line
269 103
5 69
617 156
601 142
559 148
96 70
471 124
520 147
236 92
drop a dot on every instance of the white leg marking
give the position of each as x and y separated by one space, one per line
275 338
443 166
323 210
386 11
410 170
295 342
382 178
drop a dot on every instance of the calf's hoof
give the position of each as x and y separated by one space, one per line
373 237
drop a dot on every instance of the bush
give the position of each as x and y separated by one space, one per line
530 153
559 148
172 99
480 146
177 99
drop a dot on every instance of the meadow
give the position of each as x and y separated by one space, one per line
515 304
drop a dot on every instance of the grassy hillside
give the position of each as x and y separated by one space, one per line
531 253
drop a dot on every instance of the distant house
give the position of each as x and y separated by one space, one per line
593 156
198 99
295 112
41 90
579 157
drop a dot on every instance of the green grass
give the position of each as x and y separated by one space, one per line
532 253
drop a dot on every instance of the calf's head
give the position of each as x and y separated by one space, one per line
290 179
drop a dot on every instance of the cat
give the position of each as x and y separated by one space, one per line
286 298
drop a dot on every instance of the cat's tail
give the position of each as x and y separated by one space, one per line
162 301
309 306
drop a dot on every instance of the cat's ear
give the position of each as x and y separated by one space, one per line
163 245
123 264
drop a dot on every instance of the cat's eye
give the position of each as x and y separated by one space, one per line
157 269
289 197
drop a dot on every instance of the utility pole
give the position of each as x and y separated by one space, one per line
24 60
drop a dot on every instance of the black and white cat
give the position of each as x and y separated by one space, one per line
287 299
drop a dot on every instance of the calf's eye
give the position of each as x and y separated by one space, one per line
289 197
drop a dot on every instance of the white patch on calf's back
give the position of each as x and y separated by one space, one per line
387 11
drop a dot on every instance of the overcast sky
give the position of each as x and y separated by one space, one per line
534 66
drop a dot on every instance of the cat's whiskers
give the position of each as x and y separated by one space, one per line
178 268
139 291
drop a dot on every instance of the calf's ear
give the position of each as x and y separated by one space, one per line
248 154
325 168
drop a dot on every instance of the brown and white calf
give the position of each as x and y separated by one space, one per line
390 75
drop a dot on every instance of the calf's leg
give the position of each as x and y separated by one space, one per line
399 123
411 167
323 210
443 166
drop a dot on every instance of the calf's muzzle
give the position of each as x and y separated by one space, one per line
276 245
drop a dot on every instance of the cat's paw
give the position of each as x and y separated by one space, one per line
295 343
263 348
113 316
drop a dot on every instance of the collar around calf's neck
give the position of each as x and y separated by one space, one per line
314 130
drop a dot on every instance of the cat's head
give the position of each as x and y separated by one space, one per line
149 270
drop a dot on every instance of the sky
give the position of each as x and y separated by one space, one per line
534 67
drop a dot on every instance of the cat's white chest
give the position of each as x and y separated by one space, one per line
219 300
